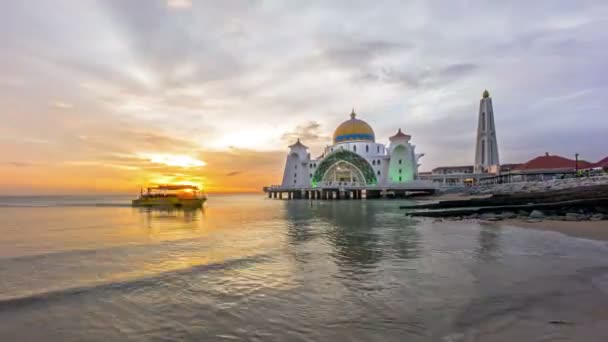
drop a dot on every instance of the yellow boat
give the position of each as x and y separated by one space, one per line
172 196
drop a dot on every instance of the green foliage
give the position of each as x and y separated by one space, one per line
343 155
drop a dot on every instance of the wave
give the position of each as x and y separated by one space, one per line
8 304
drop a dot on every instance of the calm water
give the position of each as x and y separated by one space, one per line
252 269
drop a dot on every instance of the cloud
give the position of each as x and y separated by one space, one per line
19 164
179 4
62 105
234 173
261 74
309 132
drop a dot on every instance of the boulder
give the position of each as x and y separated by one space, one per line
537 214
508 215
490 217
573 217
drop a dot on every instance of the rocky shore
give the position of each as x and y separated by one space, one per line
535 187
573 200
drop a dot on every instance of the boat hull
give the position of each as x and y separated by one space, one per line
169 202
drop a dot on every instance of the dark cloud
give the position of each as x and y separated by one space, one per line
346 52
20 164
310 132
234 173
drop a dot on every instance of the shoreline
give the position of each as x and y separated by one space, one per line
593 230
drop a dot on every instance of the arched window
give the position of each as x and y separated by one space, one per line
355 148
399 161
378 162
400 178
366 148
399 170
295 166
310 175
378 172
483 152
378 148
295 175
373 162
483 121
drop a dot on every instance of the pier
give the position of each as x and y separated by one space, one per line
350 192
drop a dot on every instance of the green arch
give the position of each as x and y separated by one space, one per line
349 157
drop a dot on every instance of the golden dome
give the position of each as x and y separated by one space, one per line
486 93
354 130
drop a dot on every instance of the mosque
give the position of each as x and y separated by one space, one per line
355 165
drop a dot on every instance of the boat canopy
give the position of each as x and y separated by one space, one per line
174 187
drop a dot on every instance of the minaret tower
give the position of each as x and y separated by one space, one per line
486 151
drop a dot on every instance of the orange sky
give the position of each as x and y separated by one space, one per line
84 165
108 96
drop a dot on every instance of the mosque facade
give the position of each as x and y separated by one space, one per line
354 160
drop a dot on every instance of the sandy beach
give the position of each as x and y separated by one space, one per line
596 230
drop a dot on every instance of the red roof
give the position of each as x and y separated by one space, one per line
602 163
298 143
400 135
548 162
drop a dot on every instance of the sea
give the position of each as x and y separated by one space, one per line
249 268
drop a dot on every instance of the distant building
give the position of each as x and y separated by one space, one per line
551 163
450 175
540 168
449 170
486 150
603 164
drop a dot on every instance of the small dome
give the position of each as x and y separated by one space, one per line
400 135
486 93
354 130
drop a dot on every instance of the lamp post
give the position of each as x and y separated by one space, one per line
576 163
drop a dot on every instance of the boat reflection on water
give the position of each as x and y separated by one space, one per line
170 219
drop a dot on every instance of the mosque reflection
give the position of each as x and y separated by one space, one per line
360 234
489 245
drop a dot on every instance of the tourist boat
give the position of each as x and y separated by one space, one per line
171 196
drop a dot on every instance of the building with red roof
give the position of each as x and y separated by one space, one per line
551 163
602 163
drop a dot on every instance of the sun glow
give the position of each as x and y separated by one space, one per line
173 180
174 160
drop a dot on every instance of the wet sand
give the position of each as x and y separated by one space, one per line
595 230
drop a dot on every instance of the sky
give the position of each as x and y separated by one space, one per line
108 96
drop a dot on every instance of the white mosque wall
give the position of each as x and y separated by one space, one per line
297 170
402 164
363 148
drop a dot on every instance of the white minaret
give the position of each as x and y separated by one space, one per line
486 151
